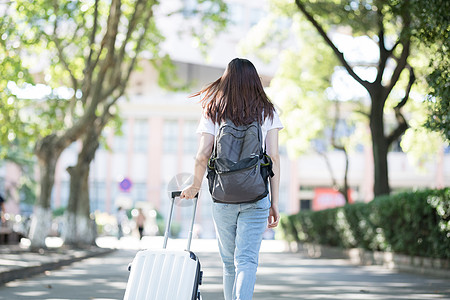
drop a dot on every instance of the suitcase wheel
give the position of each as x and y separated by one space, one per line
200 278
129 267
199 297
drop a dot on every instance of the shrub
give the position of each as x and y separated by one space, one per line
412 223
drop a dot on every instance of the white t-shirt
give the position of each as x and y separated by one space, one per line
206 125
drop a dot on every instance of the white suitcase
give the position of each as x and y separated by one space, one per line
164 274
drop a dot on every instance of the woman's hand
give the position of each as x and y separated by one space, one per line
274 217
190 192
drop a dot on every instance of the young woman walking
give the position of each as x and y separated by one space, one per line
239 96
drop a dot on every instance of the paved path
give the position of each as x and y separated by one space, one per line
280 276
290 276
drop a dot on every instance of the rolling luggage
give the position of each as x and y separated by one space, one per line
164 274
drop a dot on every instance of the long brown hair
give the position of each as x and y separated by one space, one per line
238 95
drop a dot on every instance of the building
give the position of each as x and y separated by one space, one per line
159 140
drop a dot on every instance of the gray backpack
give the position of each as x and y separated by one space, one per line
238 168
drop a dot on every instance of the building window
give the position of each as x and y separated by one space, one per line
255 16
396 146
189 8
97 194
103 141
140 135
120 139
139 192
236 13
190 137
305 204
170 136
65 193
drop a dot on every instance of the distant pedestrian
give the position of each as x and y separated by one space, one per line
2 209
121 219
140 222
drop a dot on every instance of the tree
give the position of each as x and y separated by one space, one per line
373 18
91 49
21 120
390 26
79 229
302 88
96 46
79 226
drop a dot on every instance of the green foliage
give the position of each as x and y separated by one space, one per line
420 144
24 116
299 87
27 189
213 15
288 230
64 44
415 223
59 211
175 228
431 27
412 223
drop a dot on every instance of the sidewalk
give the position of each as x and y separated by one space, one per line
288 276
281 275
17 262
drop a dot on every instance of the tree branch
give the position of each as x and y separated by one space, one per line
412 79
402 123
122 82
401 64
336 51
55 39
344 190
131 27
114 77
65 63
402 60
362 112
398 42
89 66
333 129
108 41
330 169
384 54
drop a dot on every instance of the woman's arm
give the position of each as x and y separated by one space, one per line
204 152
272 151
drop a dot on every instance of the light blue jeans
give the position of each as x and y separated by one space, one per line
239 229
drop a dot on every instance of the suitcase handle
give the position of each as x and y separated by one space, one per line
178 194
169 220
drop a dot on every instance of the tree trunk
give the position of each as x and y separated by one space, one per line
379 146
70 222
48 154
48 150
344 190
85 228
80 230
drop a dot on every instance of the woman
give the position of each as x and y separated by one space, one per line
239 96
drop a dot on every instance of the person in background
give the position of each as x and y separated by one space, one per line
140 221
2 209
121 218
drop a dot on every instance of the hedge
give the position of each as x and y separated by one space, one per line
411 223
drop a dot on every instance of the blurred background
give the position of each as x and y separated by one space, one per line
96 115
